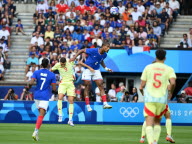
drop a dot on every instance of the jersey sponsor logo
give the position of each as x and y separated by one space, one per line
129 111
44 74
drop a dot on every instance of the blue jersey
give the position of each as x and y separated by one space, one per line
94 58
44 79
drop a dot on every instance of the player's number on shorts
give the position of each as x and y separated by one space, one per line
157 83
42 84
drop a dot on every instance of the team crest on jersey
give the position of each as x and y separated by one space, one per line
44 74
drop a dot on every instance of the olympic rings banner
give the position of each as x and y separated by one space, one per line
121 113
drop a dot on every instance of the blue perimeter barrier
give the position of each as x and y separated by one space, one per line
121 113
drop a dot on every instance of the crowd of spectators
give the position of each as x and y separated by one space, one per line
64 27
7 13
119 94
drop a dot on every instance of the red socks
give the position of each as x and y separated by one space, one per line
87 100
39 122
104 98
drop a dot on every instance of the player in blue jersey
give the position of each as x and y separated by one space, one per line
95 57
44 78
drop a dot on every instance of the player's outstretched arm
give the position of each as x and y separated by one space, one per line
55 67
78 53
84 65
106 68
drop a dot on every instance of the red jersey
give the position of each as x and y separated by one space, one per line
93 9
188 91
82 8
62 7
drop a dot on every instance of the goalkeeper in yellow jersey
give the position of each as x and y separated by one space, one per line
66 86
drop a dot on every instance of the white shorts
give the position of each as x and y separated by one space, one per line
88 75
42 104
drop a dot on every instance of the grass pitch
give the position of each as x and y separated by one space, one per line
85 134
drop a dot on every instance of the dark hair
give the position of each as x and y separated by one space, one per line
12 90
127 92
63 60
106 43
160 54
45 63
185 35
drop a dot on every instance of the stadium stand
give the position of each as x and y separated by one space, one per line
86 24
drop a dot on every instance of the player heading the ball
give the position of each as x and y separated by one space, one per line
95 57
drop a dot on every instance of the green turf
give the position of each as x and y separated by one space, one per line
84 134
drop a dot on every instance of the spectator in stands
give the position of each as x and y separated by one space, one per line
30 61
119 88
120 94
40 20
158 8
135 95
5 33
188 89
26 94
182 98
142 34
49 33
29 74
186 41
140 7
11 95
175 6
169 11
135 14
164 20
61 7
112 93
54 59
42 7
126 97
121 7
130 21
141 22
189 35
157 31
19 27
162 3
3 45
37 41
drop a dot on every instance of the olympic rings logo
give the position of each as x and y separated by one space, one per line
129 112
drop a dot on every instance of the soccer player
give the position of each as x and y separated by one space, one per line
66 85
95 57
154 78
42 94
168 128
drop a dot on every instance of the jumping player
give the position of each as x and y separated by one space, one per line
154 78
42 94
66 85
95 57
